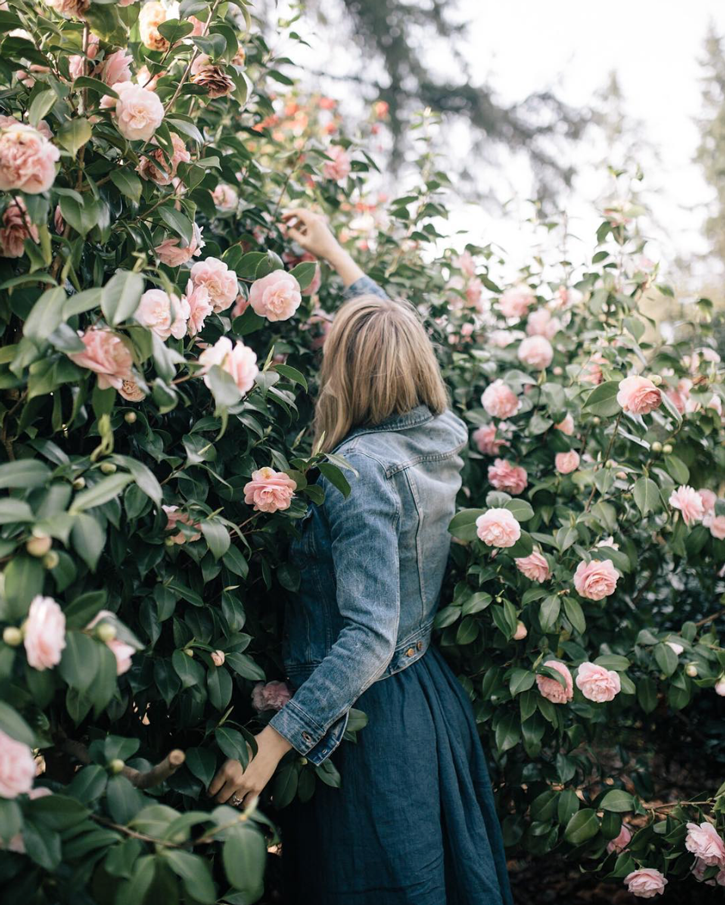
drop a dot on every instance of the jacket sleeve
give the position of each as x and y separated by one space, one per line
364 535
364 286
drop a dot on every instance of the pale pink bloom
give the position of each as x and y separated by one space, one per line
239 361
199 27
126 2
680 394
218 657
689 502
504 475
638 395
17 767
270 696
620 842
172 253
152 15
240 306
498 528
44 633
166 315
225 197
551 689
716 404
566 462
541 323
131 391
596 580
566 426
200 307
146 80
502 338
276 296
220 281
212 76
77 64
521 631
157 167
565 298
597 683
474 292
107 355
173 517
677 648
534 566
646 883
269 490
592 371
120 650
699 868
466 263
27 159
115 68
704 841
58 221
70 8
485 439
720 686
499 400
536 352
708 500
717 527
138 111
516 301
339 167
16 228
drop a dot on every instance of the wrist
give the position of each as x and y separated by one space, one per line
273 741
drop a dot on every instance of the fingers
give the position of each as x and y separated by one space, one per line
230 774
217 782
230 788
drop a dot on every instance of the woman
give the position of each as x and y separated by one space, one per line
414 819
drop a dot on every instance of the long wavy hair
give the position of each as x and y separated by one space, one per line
377 361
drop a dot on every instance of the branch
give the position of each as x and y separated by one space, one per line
141 779
710 618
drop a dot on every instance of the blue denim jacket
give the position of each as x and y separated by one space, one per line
371 568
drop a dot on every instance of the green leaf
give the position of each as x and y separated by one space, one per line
584 825
217 536
666 658
304 273
177 222
74 134
187 669
602 400
15 726
80 612
128 183
40 106
121 295
244 858
463 524
521 680
335 476
24 576
520 509
202 764
617 800
292 374
677 468
25 473
646 495
549 612
195 874
508 732
575 614
232 743
106 489
174 30
46 315
88 539
80 661
647 694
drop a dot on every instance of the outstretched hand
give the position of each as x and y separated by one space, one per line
311 231
237 786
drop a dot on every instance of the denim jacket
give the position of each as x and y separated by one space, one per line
371 568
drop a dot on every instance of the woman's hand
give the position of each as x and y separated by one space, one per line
310 230
232 782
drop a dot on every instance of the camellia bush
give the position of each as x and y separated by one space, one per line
160 343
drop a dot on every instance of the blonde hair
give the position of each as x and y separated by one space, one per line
378 361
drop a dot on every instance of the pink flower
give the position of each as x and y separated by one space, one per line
70 8
220 281
173 254
466 263
536 352
680 394
566 462
16 228
270 696
77 63
720 687
173 517
708 500
498 528
620 842
116 68
521 631
499 400
17 767
597 683
485 439
27 159
717 527
239 361
638 395
596 580
541 323
564 297
211 76
120 650
276 296
592 371
218 657
197 298
516 301
705 843
505 476
151 16
689 502
131 391
551 689
44 633
107 355
269 490
474 292
163 314
339 167
534 566
138 111
566 426
646 883
224 197
159 168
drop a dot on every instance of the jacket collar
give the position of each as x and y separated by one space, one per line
418 415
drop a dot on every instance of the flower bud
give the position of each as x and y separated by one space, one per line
79 484
12 636
218 657
667 449
169 542
610 463
108 468
657 447
116 765
656 379
691 670
720 686
130 417
621 475
302 760
50 560
189 652
521 631
39 545
596 420
106 632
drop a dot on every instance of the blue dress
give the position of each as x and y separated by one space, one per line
414 822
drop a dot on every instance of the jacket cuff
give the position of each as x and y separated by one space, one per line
302 732
363 286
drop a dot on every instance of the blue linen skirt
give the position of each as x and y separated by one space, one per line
414 821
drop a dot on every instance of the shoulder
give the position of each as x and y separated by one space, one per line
370 486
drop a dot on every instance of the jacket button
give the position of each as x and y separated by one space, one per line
419 645
306 737
410 652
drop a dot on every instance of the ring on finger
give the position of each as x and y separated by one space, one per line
236 801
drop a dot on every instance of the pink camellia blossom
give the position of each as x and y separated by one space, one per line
504 475
566 426
592 370
541 323
173 516
115 68
474 293
218 657
521 631
107 355
44 633
595 580
551 689
200 307
465 263
269 490
716 404
146 80
679 395
534 566
708 500
485 439
131 391
220 281
70 8
597 683
646 883
536 352
499 400
621 841
339 167
120 650
689 502
717 526
77 63
566 462
17 767
516 301
138 112
152 15
172 253
704 841
16 228
163 314
699 869
498 528
27 159
276 296
502 338
239 361
224 197
157 166
211 76
638 395
270 696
